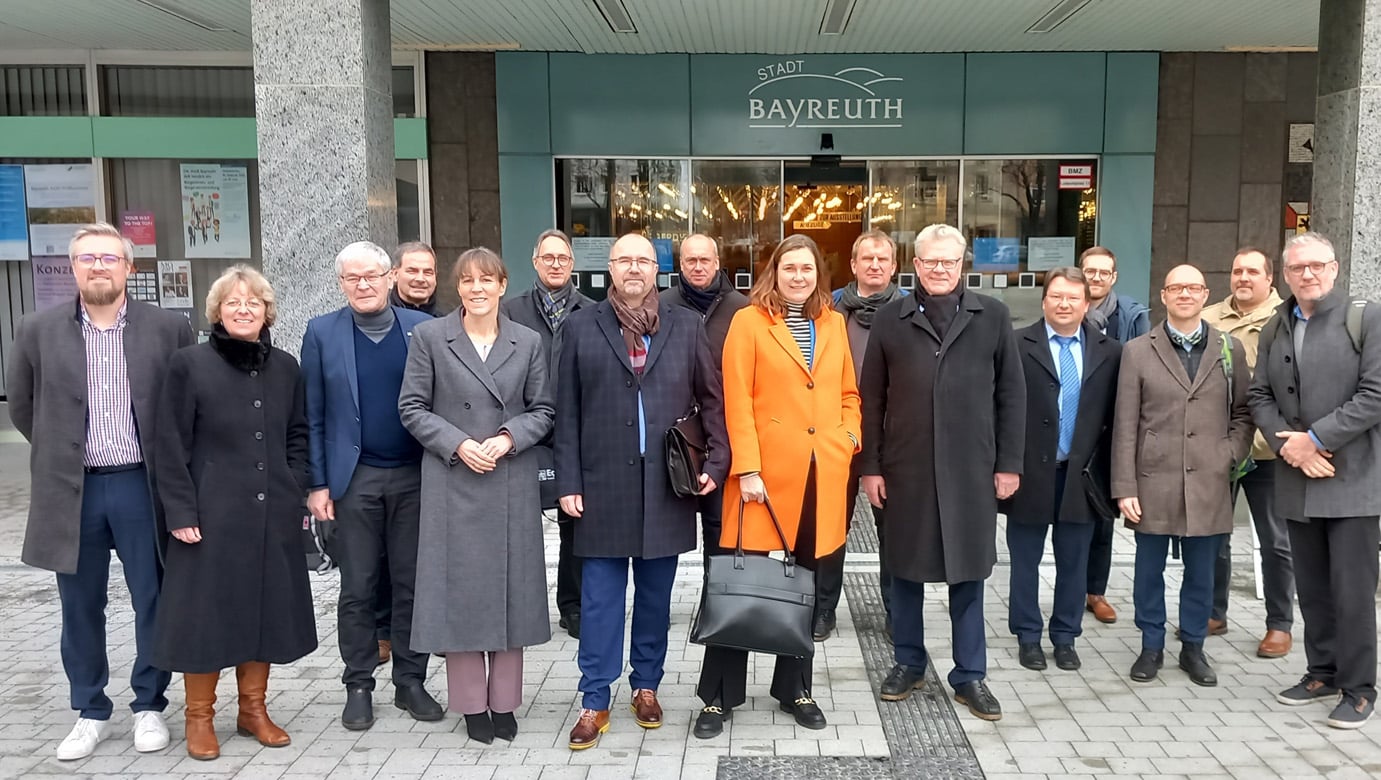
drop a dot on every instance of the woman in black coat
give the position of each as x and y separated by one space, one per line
232 466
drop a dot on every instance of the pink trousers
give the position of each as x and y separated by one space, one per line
471 689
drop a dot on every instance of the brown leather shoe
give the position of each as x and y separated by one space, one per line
1276 644
385 651
1101 609
646 711
587 729
254 721
201 728
1217 627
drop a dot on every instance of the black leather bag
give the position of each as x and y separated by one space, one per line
757 603
1096 478
546 476
686 452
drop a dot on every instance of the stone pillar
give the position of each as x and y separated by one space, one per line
324 106
1347 140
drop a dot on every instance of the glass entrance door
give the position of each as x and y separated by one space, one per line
827 203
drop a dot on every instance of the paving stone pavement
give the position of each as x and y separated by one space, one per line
1055 724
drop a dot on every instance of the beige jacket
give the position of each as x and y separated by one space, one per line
1246 328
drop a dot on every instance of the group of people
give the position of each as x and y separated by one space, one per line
433 442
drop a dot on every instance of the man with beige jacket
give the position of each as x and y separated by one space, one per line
1243 314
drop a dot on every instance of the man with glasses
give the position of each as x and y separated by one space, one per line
83 381
1243 314
1124 319
1317 399
630 367
544 308
873 261
944 426
1181 427
365 472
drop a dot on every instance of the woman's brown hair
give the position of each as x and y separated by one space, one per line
764 294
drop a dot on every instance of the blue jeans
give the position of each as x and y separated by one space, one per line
604 581
966 627
1196 590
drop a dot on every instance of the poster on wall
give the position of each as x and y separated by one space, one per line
53 281
175 284
142 286
14 224
215 210
61 198
138 227
991 255
1044 254
592 254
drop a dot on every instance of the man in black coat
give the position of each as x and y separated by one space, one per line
1071 390
414 278
944 415
707 291
630 367
84 381
544 308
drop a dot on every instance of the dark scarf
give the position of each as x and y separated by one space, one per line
553 303
636 323
1100 315
700 299
427 307
862 309
244 355
940 309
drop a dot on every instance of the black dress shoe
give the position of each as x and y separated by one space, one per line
823 625
1067 658
1031 656
981 701
710 724
359 709
480 728
417 702
1193 661
505 725
900 682
1147 665
806 711
571 622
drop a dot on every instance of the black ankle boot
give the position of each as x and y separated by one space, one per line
505 725
1193 661
480 727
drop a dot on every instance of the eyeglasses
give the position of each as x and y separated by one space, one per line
555 261
1192 289
1297 269
1099 273
947 263
105 261
353 280
628 262
253 304
1072 300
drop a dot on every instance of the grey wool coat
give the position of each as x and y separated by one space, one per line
1331 389
47 399
481 582
1176 439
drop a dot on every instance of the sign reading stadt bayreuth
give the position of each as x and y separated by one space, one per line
756 104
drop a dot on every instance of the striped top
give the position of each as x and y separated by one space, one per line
801 331
112 439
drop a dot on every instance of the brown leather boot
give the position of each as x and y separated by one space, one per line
201 728
253 721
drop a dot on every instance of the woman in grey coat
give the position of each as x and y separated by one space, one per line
475 395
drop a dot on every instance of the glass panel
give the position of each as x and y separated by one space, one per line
404 92
1025 217
409 204
908 195
58 90
203 91
738 203
828 203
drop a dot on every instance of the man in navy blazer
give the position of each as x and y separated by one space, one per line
630 367
366 474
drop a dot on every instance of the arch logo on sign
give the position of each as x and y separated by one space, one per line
790 94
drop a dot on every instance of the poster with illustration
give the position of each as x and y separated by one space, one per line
215 211
995 255
175 284
61 198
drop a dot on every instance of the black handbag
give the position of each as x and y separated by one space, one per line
546 476
757 603
686 452
1095 479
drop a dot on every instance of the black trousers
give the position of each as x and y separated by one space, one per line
383 604
376 521
1100 556
711 523
1277 568
567 567
724 673
1336 573
829 577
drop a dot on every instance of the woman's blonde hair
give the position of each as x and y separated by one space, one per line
765 295
254 281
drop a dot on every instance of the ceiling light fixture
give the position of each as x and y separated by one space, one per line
161 5
1270 49
616 16
836 18
1058 15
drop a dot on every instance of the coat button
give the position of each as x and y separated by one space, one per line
260 496
630 461
1052 385
811 431
258 403
937 353
1045 459
259 466
1189 469
1287 358
498 405
254 373
810 385
1290 390
259 435
1189 435
628 383
628 423
467 404
1046 422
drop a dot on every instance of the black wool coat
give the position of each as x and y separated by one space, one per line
1034 501
939 419
232 448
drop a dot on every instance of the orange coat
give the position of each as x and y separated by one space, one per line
778 413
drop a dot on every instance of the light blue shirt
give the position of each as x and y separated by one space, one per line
1077 348
642 414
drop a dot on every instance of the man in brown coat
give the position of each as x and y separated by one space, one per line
1181 425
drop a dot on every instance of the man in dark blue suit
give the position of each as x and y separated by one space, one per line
366 474
630 367
1071 389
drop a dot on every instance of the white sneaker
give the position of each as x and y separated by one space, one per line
85 736
150 732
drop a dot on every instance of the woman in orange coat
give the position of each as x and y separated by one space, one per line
792 410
